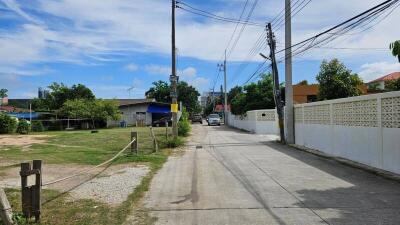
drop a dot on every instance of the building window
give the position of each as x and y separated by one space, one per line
311 98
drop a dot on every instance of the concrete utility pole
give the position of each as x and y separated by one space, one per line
225 95
222 67
174 78
277 91
288 75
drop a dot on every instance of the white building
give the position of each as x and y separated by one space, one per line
140 112
380 82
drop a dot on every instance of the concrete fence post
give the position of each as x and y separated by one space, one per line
380 131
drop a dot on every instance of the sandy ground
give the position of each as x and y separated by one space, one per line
113 187
22 140
110 185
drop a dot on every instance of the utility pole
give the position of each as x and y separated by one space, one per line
174 78
277 91
223 68
288 75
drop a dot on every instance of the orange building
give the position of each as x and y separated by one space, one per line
305 93
308 93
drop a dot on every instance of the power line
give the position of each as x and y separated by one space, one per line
237 24
188 8
349 48
293 13
362 17
243 27
261 41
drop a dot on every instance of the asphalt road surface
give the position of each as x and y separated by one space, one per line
227 176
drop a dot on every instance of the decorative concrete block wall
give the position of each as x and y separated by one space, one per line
262 121
365 129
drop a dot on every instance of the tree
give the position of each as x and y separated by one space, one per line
187 94
233 92
189 97
395 47
254 96
393 85
303 82
91 109
160 92
3 93
336 81
7 124
59 94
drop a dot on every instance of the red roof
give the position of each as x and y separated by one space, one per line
12 109
220 108
392 76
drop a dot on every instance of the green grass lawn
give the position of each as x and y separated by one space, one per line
83 147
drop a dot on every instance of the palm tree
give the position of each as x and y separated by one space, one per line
395 47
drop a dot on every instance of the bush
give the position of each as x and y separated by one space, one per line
184 124
37 126
7 124
174 142
23 127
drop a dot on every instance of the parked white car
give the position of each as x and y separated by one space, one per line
214 119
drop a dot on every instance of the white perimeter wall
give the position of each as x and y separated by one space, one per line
256 121
365 129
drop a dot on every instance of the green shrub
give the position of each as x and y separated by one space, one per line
37 126
23 127
7 124
184 124
174 142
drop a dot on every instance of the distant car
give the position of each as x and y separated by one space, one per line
161 122
196 118
213 119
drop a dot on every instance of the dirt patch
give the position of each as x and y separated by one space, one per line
22 140
113 187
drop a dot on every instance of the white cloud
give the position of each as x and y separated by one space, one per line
14 6
189 72
157 69
132 67
371 71
137 83
118 27
200 83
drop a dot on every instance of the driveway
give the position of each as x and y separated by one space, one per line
227 176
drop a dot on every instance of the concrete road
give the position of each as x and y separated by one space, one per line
230 177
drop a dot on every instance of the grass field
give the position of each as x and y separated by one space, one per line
83 147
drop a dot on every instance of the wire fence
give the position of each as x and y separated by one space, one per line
86 171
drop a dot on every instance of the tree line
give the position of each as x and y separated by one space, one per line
334 78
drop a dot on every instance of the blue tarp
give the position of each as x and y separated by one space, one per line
24 115
159 109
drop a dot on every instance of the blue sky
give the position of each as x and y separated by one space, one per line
112 45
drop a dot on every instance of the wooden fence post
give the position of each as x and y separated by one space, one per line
5 209
25 190
134 145
37 188
166 130
155 144
30 195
